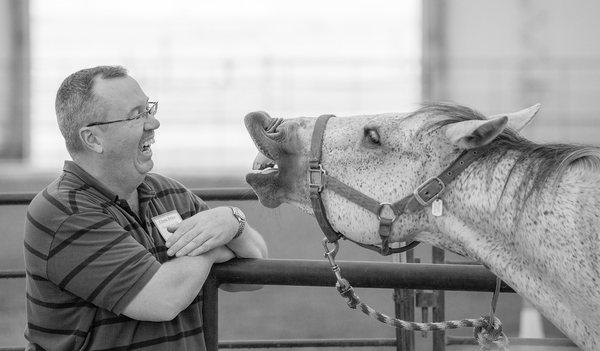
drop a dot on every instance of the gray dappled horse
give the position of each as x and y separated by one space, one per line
529 212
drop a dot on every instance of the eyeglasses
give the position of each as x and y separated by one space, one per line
150 111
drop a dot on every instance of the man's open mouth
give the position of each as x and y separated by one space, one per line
145 146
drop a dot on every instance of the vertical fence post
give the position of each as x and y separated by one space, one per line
404 301
210 312
438 314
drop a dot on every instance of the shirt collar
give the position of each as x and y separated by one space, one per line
145 190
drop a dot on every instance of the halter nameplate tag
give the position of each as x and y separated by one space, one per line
437 207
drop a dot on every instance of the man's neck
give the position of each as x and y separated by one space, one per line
125 188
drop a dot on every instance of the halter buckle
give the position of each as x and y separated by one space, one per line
430 193
315 177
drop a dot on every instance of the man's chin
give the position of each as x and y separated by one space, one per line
144 167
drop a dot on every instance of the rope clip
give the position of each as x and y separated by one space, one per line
347 292
330 254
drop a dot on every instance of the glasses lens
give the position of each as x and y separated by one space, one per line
153 108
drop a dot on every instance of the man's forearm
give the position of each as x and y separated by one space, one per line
249 245
171 289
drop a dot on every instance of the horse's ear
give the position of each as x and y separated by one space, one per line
518 120
475 133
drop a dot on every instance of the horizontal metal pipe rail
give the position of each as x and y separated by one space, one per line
381 275
298 343
207 194
384 275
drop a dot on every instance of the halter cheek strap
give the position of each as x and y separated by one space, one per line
424 194
316 174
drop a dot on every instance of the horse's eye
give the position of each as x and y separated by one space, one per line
372 136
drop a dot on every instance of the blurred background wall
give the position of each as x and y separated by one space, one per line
209 63
14 80
498 56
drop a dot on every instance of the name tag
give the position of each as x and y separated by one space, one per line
166 220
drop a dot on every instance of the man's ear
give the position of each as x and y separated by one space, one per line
518 120
475 133
90 140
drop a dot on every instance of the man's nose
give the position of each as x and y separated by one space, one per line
151 123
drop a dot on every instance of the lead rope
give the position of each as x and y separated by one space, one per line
487 329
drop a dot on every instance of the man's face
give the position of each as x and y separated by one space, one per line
125 145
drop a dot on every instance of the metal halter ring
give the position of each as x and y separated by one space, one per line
330 254
380 210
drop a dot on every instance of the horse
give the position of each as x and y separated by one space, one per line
529 212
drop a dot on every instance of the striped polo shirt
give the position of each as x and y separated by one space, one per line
87 255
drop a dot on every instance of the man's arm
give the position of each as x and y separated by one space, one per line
216 227
250 244
174 286
213 228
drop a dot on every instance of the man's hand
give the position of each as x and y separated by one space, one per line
202 232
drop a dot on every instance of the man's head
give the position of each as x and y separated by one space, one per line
96 110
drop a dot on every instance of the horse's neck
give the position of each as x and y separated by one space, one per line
547 224
547 250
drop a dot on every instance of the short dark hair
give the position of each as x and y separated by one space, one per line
76 104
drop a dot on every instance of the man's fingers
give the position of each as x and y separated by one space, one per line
189 247
198 251
205 247
182 241
180 229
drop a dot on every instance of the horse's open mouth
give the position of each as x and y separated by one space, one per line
265 175
264 166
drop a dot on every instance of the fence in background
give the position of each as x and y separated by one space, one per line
396 276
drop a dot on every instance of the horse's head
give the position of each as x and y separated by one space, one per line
385 156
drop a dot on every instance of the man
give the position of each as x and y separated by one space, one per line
110 264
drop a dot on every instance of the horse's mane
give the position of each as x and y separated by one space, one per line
539 162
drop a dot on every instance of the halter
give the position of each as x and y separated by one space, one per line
487 329
423 195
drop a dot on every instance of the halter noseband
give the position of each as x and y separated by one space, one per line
423 195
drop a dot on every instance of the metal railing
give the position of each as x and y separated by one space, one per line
463 277
318 273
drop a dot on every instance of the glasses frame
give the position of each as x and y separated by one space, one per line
150 111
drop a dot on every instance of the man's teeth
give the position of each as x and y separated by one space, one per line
147 143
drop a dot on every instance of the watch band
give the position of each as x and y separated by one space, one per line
241 218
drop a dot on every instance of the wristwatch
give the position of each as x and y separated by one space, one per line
241 218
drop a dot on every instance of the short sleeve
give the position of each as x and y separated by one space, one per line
199 204
96 259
